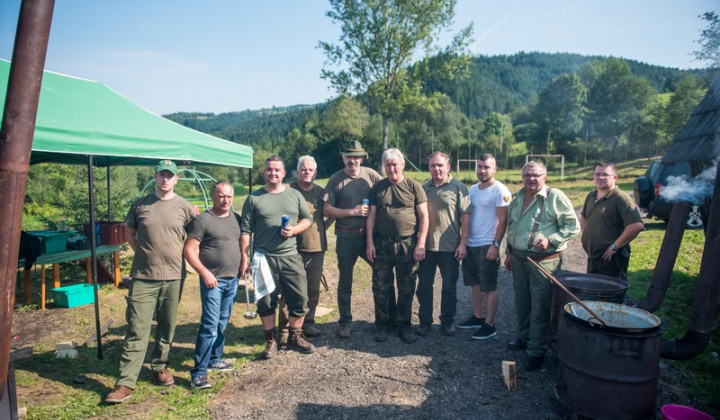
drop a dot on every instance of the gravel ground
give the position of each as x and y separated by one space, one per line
436 377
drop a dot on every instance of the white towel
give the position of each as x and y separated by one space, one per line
263 282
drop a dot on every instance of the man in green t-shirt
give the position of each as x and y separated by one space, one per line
344 198
156 232
610 220
397 228
262 216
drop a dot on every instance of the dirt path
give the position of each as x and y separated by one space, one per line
436 377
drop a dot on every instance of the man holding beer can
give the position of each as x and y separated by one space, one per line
269 214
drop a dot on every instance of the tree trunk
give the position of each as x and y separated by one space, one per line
381 167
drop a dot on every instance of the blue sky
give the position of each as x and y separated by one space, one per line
232 55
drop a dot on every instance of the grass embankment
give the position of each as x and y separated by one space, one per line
45 384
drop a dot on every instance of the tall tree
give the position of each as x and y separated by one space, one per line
617 101
710 40
379 40
560 111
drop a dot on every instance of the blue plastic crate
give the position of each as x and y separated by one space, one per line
72 296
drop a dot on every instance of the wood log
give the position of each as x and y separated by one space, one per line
509 372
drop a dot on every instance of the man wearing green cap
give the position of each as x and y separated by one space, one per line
156 232
344 194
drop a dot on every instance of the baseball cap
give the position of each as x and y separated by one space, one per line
166 165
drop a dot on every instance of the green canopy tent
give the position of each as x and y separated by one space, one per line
82 121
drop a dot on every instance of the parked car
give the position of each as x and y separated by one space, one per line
648 192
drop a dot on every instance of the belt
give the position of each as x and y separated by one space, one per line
360 231
542 257
396 239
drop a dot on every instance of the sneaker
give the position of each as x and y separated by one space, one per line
485 331
448 330
270 344
344 331
380 333
297 341
311 330
472 322
200 382
163 377
221 367
119 394
424 329
406 335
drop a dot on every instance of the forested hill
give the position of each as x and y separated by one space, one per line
496 84
503 83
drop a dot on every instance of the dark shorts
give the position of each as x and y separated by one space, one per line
477 270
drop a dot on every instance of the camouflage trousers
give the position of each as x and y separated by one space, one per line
398 257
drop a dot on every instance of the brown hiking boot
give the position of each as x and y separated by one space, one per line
297 342
119 394
163 377
271 344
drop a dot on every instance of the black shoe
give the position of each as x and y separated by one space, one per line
484 332
516 344
311 330
380 333
297 342
448 330
271 344
424 329
472 322
532 363
406 335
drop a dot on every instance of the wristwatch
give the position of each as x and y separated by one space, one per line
497 244
612 246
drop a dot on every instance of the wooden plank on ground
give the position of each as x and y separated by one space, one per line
509 372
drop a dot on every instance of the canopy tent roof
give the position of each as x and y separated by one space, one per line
78 117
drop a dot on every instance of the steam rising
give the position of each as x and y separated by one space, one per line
695 190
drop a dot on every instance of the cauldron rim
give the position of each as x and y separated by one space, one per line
570 311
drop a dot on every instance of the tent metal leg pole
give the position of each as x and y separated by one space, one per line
93 254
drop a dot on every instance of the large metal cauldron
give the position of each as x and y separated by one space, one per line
593 287
609 372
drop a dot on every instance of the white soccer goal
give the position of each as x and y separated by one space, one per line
473 165
545 157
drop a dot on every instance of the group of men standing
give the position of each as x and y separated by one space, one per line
405 230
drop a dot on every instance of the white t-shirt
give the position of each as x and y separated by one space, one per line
483 219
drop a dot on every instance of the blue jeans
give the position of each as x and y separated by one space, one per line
217 304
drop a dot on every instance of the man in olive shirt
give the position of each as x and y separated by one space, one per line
541 221
397 228
449 210
344 194
262 217
312 243
610 220
156 232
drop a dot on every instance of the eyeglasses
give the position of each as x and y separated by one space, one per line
532 176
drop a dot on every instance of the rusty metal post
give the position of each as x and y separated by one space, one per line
16 135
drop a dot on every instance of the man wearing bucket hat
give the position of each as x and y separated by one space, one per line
541 221
156 232
344 198
610 220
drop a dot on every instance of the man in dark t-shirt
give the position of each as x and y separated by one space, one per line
344 194
213 250
397 228
610 220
